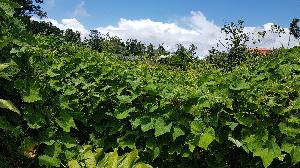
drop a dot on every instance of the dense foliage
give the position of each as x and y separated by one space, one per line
65 104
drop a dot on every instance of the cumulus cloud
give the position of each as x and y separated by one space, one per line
64 24
201 32
80 10
195 29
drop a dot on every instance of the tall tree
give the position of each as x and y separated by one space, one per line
72 36
95 40
294 28
30 8
45 28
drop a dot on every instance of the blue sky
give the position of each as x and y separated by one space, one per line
109 12
171 22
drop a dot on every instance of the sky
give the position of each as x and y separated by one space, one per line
173 21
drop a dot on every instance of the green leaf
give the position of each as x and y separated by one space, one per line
289 130
45 160
70 90
68 141
7 74
232 125
128 159
8 105
65 121
142 165
239 85
8 8
296 155
244 119
287 147
73 164
150 125
32 96
235 141
35 119
267 151
135 123
90 159
293 150
127 141
3 66
161 127
125 99
207 137
197 127
109 161
125 113
153 146
177 132
296 103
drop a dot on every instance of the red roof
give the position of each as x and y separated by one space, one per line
263 51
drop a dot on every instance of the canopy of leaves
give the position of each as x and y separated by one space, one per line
67 104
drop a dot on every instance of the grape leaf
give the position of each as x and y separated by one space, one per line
8 105
73 164
125 113
296 155
65 121
197 127
207 137
45 160
267 151
32 96
150 125
177 132
161 127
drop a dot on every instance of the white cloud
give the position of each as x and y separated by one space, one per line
196 29
80 10
271 39
201 32
73 24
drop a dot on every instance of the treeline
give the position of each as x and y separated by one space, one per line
131 49
235 45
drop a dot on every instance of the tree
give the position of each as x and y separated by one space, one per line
45 28
95 40
29 8
135 47
161 50
71 36
113 44
150 52
294 28
235 44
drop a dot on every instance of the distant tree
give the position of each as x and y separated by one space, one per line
235 44
294 28
150 52
45 28
192 50
71 36
135 48
113 44
180 58
162 51
29 8
95 40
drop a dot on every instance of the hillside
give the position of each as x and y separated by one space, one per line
66 105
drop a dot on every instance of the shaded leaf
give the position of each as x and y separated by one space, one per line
8 105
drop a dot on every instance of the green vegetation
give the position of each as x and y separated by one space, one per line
67 103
